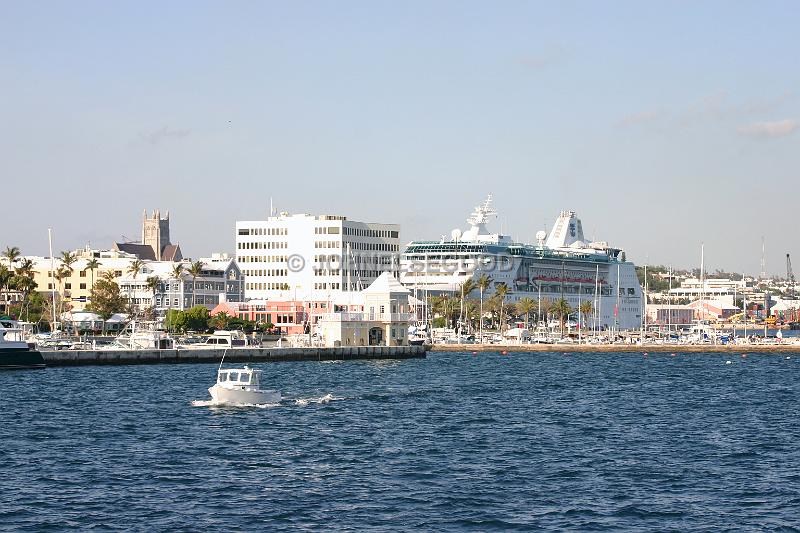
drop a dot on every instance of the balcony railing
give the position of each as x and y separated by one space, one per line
367 317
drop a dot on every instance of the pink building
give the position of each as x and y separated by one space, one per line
291 317
713 309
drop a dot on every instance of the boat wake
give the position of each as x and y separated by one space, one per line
212 403
322 399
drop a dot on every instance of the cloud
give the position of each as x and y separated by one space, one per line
639 118
164 133
769 130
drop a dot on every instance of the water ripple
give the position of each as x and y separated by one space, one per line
589 442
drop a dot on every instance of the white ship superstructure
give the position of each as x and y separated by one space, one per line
560 265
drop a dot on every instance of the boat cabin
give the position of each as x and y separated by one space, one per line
226 339
233 377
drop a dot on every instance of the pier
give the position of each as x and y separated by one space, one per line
236 355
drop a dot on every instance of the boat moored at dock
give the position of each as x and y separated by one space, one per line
15 352
561 265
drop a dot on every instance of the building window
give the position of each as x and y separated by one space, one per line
68 286
83 286
83 273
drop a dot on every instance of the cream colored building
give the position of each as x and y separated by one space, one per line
76 288
384 320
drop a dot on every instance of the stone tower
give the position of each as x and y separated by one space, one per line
155 232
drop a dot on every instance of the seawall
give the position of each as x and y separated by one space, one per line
607 348
236 355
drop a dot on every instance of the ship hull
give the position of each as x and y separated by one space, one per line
18 358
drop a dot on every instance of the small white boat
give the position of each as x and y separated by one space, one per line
221 339
241 386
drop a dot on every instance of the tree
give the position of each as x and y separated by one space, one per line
5 279
586 308
483 283
545 305
12 253
68 259
195 270
525 307
445 307
135 267
466 287
220 321
176 273
152 283
562 310
92 265
197 318
501 290
26 285
106 298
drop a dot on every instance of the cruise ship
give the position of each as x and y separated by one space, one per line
560 265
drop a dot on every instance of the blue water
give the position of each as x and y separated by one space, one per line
455 442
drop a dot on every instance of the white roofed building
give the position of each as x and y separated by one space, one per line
384 320
221 280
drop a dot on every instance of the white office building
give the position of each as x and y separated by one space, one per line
309 256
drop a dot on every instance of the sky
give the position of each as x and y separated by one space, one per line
664 125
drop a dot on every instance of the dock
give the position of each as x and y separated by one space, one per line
236 355
620 348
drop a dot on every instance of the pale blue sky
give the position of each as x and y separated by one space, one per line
662 124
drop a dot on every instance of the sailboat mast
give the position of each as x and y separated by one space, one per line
52 276
702 280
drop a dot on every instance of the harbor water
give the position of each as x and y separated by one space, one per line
454 442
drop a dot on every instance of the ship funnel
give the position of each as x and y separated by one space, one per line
566 231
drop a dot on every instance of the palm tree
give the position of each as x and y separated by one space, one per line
195 269
68 259
63 272
471 313
466 287
26 286
25 268
501 291
5 279
135 267
483 283
176 273
92 265
25 283
562 310
524 307
152 283
545 306
586 308
12 253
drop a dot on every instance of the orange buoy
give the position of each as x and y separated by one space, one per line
744 355
504 352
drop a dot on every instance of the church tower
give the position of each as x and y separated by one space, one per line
155 232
